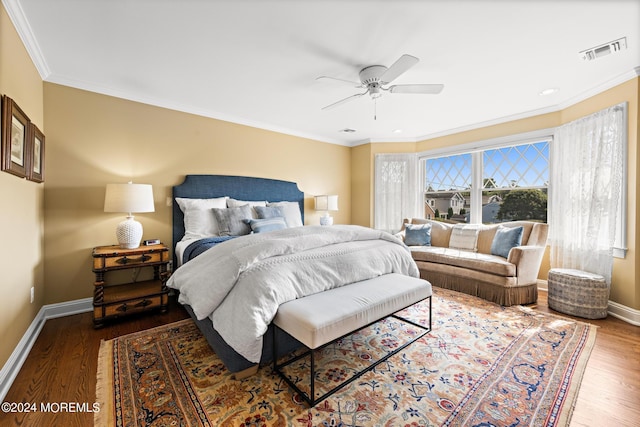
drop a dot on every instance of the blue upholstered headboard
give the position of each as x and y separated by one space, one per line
236 187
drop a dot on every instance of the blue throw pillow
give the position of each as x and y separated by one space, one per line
417 235
505 239
267 212
267 224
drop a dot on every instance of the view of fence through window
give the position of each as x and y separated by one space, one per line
514 184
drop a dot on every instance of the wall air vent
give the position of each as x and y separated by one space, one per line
604 49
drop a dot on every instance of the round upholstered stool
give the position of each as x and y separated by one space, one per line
578 293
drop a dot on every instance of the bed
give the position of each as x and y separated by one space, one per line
348 243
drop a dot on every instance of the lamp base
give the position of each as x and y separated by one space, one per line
326 220
129 233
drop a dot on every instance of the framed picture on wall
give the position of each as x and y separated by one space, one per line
36 151
15 143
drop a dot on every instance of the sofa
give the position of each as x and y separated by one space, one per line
478 259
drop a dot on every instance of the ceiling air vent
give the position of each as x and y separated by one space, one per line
604 50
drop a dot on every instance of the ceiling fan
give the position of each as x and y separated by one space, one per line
375 78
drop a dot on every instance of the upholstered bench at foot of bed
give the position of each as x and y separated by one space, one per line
319 319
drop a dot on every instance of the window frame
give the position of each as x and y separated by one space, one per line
476 148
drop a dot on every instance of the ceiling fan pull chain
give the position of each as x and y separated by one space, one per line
375 108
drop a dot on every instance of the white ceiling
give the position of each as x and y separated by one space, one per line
255 62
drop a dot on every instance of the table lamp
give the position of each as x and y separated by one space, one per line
130 198
326 203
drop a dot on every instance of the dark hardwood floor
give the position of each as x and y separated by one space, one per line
63 363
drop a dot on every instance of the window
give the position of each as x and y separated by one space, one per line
515 180
448 180
493 182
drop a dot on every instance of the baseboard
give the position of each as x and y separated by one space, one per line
622 312
51 311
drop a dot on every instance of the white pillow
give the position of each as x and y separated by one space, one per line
233 203
199 221
290 211
465 237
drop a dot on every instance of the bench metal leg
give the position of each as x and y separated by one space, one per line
311 399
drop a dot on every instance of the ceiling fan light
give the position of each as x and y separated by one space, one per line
374 91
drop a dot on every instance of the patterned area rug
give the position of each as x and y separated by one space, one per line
482 365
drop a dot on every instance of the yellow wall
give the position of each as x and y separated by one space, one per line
624 288
21 211
94 139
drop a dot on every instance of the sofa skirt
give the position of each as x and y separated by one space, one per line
498 289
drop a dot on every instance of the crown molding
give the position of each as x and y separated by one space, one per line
162 103
18 18
21 24
622 78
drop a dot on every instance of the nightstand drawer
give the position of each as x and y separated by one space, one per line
128 260
132 306
112 300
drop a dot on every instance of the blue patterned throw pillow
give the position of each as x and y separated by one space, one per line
417 235
505 239
267 224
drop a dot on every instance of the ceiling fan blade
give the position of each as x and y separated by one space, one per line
342 101
432 89
356 84
400 66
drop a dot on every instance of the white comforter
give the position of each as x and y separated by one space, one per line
240 284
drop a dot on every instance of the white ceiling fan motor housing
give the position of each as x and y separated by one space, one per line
372 74
370 77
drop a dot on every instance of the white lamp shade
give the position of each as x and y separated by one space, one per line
326 203
129 198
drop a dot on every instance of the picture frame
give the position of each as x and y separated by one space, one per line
15 142
36 154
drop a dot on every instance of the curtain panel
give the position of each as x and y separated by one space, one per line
396 190
587 163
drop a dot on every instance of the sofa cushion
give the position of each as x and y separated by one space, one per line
505 239
417 235
440 231
471 260
464 236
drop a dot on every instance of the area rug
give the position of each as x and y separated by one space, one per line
482 365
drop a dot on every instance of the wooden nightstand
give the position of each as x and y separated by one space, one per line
112 301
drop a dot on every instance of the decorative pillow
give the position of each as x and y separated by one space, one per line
233 203
464 237
417 235
268 224
290 211
505 239
265 212
231 220
198 220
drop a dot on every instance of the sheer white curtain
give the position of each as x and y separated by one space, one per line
586 179
396 190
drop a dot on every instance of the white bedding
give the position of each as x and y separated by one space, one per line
180 248
240 283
